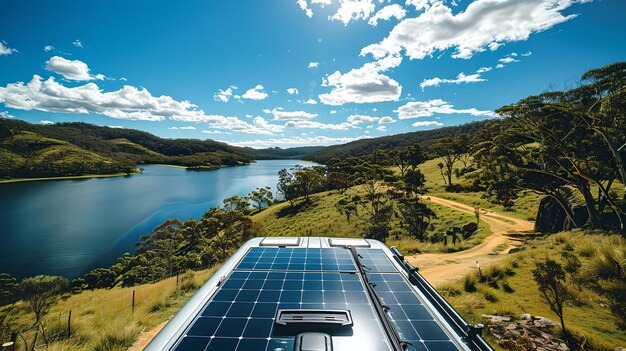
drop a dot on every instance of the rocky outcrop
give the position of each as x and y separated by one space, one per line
526 333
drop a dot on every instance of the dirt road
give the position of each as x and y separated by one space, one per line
443 268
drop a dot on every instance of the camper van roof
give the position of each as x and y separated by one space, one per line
311 293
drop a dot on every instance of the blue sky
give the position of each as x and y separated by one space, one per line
294 73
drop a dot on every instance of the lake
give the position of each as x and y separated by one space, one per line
67 227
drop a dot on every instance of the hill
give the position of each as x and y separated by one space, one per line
366 146
278 153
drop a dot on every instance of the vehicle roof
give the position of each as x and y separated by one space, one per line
275 292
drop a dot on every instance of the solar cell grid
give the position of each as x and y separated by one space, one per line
376 261
297 259
245 305
412 320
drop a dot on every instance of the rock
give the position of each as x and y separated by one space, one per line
496 319
526 317
469 229
543 322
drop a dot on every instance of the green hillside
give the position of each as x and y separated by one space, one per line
367 146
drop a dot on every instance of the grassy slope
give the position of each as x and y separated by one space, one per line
322 219
102 319
525 207
590 316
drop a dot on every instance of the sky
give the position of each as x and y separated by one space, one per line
295 72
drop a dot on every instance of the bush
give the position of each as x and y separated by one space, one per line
469 283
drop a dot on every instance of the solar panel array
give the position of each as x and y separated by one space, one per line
240 315
412 320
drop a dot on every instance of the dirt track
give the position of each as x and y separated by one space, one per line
443 268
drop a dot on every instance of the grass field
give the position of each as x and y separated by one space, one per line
102 319
510 289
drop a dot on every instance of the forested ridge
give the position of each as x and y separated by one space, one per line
72 149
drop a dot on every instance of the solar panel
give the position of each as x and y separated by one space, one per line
297 259
414 323
269 279
376 261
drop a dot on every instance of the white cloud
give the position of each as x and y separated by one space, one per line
422 4
318 125
311 102
484 69
266 110
77 43
416 109
224 95
71 69
364 119
332 112
280 115
427 124
499 65
527 54
292 91
386 13
212 132
5 50
117 127
183 128
382 128
507 60
45 122
128 103
296 141
460 78
305 7
255 93
313 64
6 114
485 24
48 48
361 85
353 10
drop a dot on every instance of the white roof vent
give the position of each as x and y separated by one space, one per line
342 242
280 241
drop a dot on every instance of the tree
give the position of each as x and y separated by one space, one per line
236 203
449 150
374 209
40 293
550 278
8 288
415 216
261 197
164 243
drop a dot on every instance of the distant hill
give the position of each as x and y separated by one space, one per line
367 146
70 149
278 153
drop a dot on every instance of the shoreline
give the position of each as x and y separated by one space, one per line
86 176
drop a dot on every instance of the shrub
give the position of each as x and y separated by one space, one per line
469 283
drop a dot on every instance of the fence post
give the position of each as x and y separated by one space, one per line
133 307
69 324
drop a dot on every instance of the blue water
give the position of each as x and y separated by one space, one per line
67 227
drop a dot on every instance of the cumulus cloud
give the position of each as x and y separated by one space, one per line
313 64
305 7
485 24
396 11
460 78
484 69
292 91
382 128
422 4
224 95
5 50
128 103
508 60
416 109
332 112
183 128
311 102
364 84
280 115
353 10
255 93
296 141
212 132
45 122
71 69
364 119
77 43
48 48
427 124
